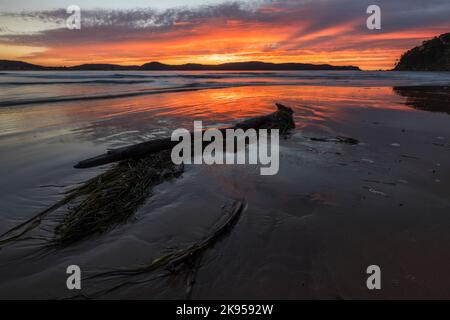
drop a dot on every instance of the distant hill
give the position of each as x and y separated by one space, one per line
432 55
18 65
157 66
102 67
251 65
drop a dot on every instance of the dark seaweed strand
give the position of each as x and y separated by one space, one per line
173 262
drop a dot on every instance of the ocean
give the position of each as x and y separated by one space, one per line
19 88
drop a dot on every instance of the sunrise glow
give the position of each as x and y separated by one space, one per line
280 31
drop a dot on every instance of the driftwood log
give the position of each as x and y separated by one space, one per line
281 119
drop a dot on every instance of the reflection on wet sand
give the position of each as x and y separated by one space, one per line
308 232
428 98
130 120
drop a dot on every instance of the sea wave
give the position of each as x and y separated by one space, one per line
22 88
76 82
18 102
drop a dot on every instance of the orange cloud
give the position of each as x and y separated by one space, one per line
331 32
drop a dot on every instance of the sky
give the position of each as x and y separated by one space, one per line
134 32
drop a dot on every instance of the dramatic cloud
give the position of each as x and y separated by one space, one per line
321 31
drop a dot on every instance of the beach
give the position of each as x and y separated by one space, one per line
310 231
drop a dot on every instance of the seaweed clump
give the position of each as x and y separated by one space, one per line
105 201
114 196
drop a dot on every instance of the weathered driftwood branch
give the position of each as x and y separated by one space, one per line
281 119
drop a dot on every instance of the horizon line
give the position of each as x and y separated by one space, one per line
189 63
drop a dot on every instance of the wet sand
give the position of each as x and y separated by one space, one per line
309 232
